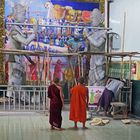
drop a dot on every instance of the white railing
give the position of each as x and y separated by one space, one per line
23 98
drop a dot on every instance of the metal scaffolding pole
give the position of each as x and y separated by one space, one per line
60 26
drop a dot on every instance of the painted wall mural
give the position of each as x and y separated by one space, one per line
54 26
60 34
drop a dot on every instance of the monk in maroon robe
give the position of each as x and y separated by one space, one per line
56 102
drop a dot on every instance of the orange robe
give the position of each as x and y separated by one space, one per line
78 103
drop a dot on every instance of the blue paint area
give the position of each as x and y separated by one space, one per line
77 5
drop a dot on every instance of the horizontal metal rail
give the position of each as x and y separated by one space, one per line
60 26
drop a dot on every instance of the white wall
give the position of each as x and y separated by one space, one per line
132 26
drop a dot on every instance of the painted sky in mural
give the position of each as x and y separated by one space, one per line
39 5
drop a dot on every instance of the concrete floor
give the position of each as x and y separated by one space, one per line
35 126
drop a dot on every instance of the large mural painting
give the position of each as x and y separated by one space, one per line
54 26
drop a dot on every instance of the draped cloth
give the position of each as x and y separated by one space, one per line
55 118
78 103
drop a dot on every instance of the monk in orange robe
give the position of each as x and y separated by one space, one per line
79 103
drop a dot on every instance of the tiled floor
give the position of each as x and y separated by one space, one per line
34 126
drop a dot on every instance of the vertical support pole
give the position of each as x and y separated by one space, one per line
108 63
73 73
4 106
29 99
121 68
130 64
39 73
106 12
130 84
123 36
45 68
82 66
79 65
48 66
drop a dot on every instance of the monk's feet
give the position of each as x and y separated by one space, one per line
84 127
61 129
52 128
73 128
58 129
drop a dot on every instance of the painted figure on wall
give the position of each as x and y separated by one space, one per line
17 40
97 39
58 70
48 73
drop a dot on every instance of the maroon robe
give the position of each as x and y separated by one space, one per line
55 106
